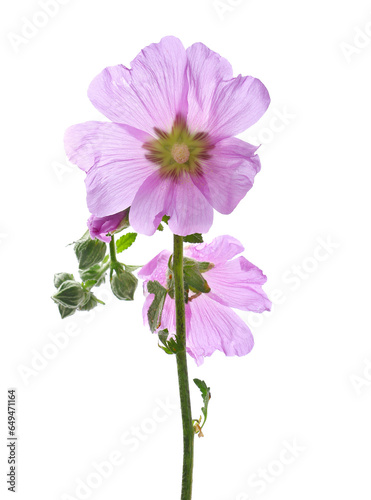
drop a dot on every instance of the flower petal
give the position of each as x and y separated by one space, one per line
228 174
221 249
155 269
150 94
180 199
113 157
206 69
238 283
236 105
216 327
188 209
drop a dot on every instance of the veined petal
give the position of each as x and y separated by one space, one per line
149 95
221 249
180 199
228 174
236 105
206 69
238 283
155 269
188 209
214 326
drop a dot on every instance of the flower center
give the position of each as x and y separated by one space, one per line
180 153
179 150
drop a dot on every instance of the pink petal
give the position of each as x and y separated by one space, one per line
236 105
155 269
216 327
221 249
113 157
188 209
238 283
206 69
150 94
228 174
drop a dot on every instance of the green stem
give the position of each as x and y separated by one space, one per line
113 257
181 359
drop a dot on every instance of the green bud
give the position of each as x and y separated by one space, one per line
89 303
89 252
124 284
59 278
96 273
66 311
70 294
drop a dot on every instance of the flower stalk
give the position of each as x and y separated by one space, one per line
181 359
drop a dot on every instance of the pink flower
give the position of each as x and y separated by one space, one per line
99 227
170 148
211 323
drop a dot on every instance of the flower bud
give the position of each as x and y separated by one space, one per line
70 294
124 284
89 252
59 278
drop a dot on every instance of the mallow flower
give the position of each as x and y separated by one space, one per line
102 227
211 322
169 148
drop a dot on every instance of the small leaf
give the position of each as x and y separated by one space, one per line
125 241
193 238
155 309
206 395
165 219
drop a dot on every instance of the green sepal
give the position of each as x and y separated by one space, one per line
206 395
169 346
66 311
193 238
123 284
131 269
96 273
60 278
89 252
155 309
70 294
90 302
125 241
193 277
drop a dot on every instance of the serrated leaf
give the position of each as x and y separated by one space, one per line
206 395
193 238
155 309
125 241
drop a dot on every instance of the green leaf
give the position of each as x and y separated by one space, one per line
155 309
60 278
124 284
206 395
125 241
87 285
89 252
193 238
165 219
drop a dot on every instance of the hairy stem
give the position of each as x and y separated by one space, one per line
181 358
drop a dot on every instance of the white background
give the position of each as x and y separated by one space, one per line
306 380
